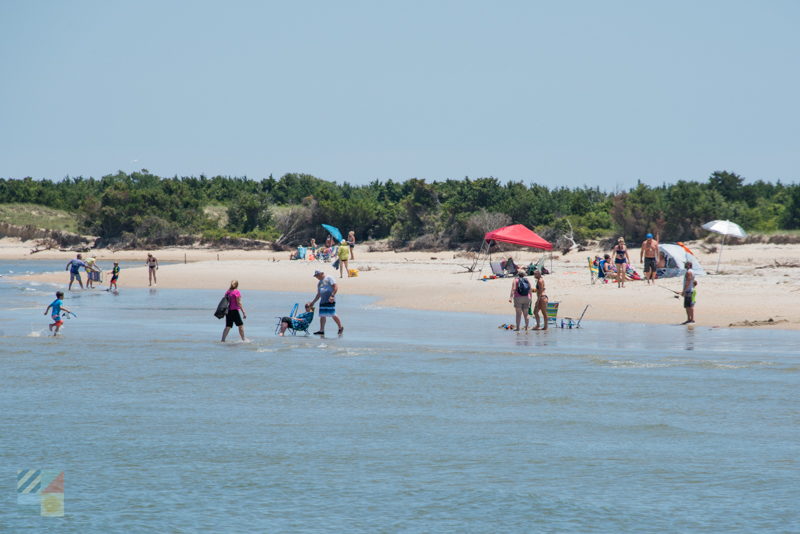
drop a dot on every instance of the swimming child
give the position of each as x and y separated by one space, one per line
300 322
57 306
114 277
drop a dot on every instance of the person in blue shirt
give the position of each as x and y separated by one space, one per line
57 306
301 322
74 268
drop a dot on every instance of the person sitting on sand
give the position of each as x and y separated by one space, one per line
300 322
521 297
509 266
541 301
605 269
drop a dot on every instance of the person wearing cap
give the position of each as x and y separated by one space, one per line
688 292
326 295
649 253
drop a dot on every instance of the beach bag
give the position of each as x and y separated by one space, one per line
335 264
523 286
353 272
222 308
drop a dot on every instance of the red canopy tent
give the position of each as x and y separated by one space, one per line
518 234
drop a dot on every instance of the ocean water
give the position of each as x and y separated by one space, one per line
411 422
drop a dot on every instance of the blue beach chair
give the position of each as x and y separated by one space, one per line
295 325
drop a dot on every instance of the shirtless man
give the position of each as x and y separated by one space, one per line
649 254
688 293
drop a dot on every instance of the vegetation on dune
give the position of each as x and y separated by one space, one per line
27 214
146 208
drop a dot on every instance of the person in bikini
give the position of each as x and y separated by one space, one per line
541 301
621 260
649 254
152 267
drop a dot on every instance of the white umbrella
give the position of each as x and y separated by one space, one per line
725 228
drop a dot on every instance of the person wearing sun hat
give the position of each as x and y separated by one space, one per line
326 295
649 253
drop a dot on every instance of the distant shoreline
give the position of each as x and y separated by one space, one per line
756 284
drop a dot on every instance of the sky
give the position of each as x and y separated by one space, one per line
566 93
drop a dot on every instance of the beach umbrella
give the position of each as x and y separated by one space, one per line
335 233
725 228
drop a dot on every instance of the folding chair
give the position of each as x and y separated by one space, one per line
295 326
593 270
497 268
552 312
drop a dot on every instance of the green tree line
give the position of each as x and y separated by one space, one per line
438 213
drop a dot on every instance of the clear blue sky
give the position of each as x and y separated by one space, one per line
569 93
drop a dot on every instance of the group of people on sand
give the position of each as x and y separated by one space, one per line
326 295
343 252
652 260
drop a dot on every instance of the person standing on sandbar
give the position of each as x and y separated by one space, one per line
152 267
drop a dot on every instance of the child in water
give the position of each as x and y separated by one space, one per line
301 322
57 306
114 277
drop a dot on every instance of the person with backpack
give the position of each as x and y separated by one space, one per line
521 297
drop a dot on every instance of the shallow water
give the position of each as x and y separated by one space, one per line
411 422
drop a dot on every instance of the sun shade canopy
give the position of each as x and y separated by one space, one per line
518 234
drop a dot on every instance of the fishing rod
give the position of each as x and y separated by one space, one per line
677 293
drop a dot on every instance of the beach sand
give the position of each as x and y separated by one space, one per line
751 289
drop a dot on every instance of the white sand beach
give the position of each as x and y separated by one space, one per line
754 288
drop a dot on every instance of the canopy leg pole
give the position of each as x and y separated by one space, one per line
720 251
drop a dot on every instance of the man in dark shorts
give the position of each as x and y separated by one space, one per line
650 254
688 293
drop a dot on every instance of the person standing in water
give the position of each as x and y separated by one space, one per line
541 301
235 311
688 292
621 260
326 295
114 277
57 306
74 267
521 297
152 267
649 253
